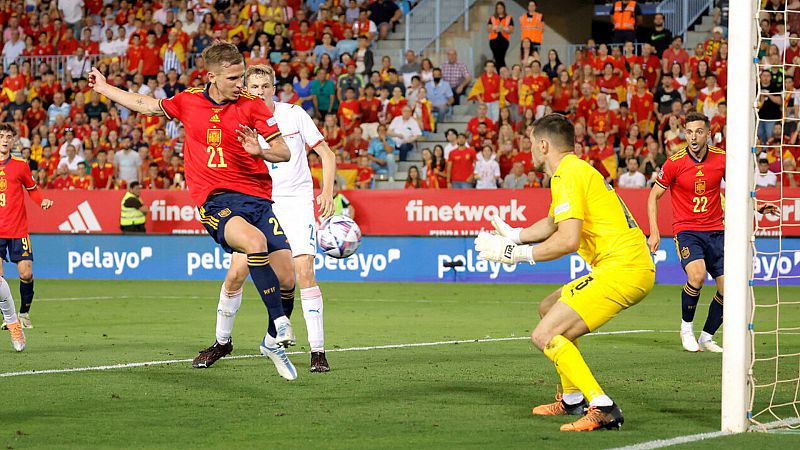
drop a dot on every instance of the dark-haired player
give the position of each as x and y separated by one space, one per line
15 245
586 216
225 168
694 175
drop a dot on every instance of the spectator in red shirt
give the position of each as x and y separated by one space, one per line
611 84
303 41
599 62
102 171
365 173
12 83
461 165
651 66
63 180
524 155
68 44
675 53
349 112
414 181
43 48
371 109
484 134
35 115
199 73
153 180
355 145
80 180
587 103
88 44
134 62
472 125
151 57
602 119
323 20
642 106
174 170
294 24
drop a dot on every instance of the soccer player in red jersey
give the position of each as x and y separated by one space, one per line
694 176
15 245
225 168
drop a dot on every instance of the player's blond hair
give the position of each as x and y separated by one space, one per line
261 70
221 54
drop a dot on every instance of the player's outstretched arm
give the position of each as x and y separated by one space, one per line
133 101
276 151
652 216
37 196
537 232
325 198
565 240
280 150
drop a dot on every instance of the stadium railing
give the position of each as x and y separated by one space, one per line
58 64
430 18
679 15
567 52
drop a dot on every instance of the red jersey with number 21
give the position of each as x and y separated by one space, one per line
695 189
215 160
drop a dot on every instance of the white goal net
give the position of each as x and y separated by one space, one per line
772 308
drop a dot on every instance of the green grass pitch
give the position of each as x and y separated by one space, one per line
466 395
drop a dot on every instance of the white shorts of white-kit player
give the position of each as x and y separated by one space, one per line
296 216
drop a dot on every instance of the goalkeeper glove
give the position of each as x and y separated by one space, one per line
493 247
506 230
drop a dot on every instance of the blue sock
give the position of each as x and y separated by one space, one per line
287 298
25 295
267 284
714 320
689 298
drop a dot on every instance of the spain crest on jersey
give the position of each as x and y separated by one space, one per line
214 137
3 184
700 187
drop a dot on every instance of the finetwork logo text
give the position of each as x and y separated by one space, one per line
416 211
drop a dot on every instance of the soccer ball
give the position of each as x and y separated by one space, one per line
339 236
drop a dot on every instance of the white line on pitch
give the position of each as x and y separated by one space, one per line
197 297
661 443
349 349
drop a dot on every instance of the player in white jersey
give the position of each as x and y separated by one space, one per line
293 196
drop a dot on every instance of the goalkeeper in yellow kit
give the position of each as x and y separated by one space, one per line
586 216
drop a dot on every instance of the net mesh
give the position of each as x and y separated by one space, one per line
775 321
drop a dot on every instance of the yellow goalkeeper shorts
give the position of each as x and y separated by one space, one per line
599 296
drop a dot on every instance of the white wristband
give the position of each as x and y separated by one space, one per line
524 253
513 234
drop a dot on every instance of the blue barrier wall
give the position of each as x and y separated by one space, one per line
169 257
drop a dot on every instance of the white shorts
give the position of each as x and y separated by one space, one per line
296 216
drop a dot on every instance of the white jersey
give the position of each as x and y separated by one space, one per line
293 178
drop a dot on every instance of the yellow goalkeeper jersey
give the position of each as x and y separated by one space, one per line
611 238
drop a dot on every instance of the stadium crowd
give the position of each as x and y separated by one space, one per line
628 100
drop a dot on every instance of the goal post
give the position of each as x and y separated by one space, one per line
739 214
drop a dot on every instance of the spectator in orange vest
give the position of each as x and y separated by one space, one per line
532 25
625 17
500 27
